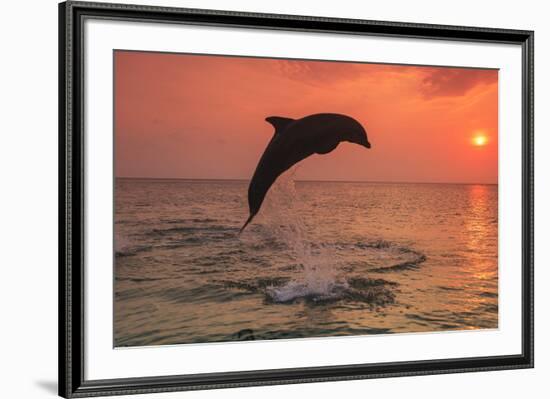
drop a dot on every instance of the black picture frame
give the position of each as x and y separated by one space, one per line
71 200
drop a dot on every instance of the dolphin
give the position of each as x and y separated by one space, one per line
293 141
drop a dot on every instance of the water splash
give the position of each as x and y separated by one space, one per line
281 220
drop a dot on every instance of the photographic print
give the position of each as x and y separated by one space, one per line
262 198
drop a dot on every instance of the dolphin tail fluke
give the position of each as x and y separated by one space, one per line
246 223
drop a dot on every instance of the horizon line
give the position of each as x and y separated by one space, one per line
304 180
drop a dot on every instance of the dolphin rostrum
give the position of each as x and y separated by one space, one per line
295 140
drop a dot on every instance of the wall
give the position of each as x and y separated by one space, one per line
28 215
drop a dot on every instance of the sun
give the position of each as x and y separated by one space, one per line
479 140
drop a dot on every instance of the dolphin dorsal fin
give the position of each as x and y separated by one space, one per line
279 123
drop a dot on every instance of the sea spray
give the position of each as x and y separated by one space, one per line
282 220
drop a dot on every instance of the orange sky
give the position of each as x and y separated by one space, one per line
196 116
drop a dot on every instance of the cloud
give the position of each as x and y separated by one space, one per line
452 82
318 72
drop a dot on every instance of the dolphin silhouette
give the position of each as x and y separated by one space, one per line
293 141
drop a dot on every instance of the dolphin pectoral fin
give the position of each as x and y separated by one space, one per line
279 123
325 148
246 223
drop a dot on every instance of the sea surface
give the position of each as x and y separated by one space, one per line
321 259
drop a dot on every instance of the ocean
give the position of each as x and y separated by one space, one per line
320 259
